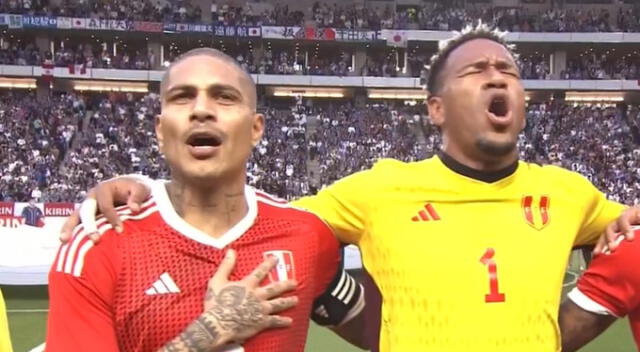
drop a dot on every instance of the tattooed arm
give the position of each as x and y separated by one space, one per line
235 310
203 334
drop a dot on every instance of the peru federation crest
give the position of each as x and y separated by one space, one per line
536 211
285 269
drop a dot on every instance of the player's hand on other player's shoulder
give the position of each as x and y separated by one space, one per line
236 310
129 190
610 240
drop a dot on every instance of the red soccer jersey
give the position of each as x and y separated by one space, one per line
138 290
611 284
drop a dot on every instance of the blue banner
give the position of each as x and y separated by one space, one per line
20 21
39 22
218 31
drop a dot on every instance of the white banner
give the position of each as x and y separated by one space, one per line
14 21
65 22
27 252
30 246
112 25
277 32
79 23
397 38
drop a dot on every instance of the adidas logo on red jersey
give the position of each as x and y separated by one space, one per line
426 214
163 285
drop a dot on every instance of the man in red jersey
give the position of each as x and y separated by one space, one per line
608 290
142 287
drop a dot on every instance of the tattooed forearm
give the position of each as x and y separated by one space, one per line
173 346
200 336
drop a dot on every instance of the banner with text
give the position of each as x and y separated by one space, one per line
310 33
11 21
11 212
11 221
142 26
188 27
109 25
6 208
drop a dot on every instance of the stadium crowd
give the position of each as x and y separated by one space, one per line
20 54
379 63
602 142
604 65
451 15
54 149
90 57
292 62
35 136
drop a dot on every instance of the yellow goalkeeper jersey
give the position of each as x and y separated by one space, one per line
465 265
5 340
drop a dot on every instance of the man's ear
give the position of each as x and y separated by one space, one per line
435 109
257 130
159 135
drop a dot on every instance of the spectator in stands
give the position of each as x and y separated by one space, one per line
307 144
534 67
32 142
444 15
32 215
36 194
590 65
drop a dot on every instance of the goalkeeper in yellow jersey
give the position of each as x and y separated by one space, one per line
469 247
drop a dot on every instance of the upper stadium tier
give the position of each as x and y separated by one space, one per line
290 46
511 15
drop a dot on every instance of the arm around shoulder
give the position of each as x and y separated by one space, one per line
344 205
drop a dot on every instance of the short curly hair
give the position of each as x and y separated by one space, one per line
446 47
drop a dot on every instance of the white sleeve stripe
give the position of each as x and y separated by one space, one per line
72 265
356 309
78 234
586 303
77 270
75 243
352 290
339 286
125 216
350 284
62 256
65 248
82 253
125 210
71 255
